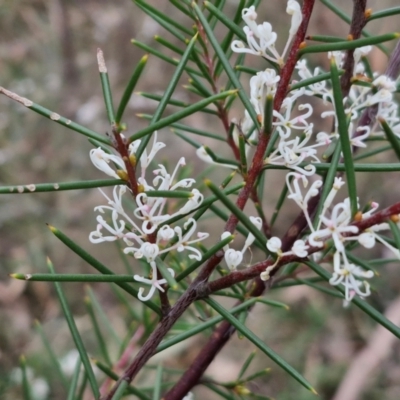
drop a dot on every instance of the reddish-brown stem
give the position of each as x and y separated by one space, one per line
358 22
122 148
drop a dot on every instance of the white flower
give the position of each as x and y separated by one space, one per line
233 258
153 282
297 195
184 239
148 250
266 274
147 157
257 221
165 234
285 125
300 248
291 153
318 88
149 210
293 9
337 184
193 202
335 227
101 160
346 274
261 38
274 245
116 231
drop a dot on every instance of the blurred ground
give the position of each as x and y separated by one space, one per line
48 54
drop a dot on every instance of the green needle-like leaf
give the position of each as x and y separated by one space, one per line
130 88
274 303
162 17
246 69
162 123
105 84
246 332
174 102
268 117
166 274
175 194
56 187
347 45
74 381
76 336
384 13
310 81
226 64
110 373
328 181
234 209
231 25
27 393
362 304
158 383
325 39
119 393
242 153
203 326
396 234
73 278
161 56
97 331
53 358
391 136
99 266
279 203
162 105
344 138
219 391
218 159
226 42
361 167
169 45
55 117
255 375
246 364
190 129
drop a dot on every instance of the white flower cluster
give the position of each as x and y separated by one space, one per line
146 233
297 147
261 38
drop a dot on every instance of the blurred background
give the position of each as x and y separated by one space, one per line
48 54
